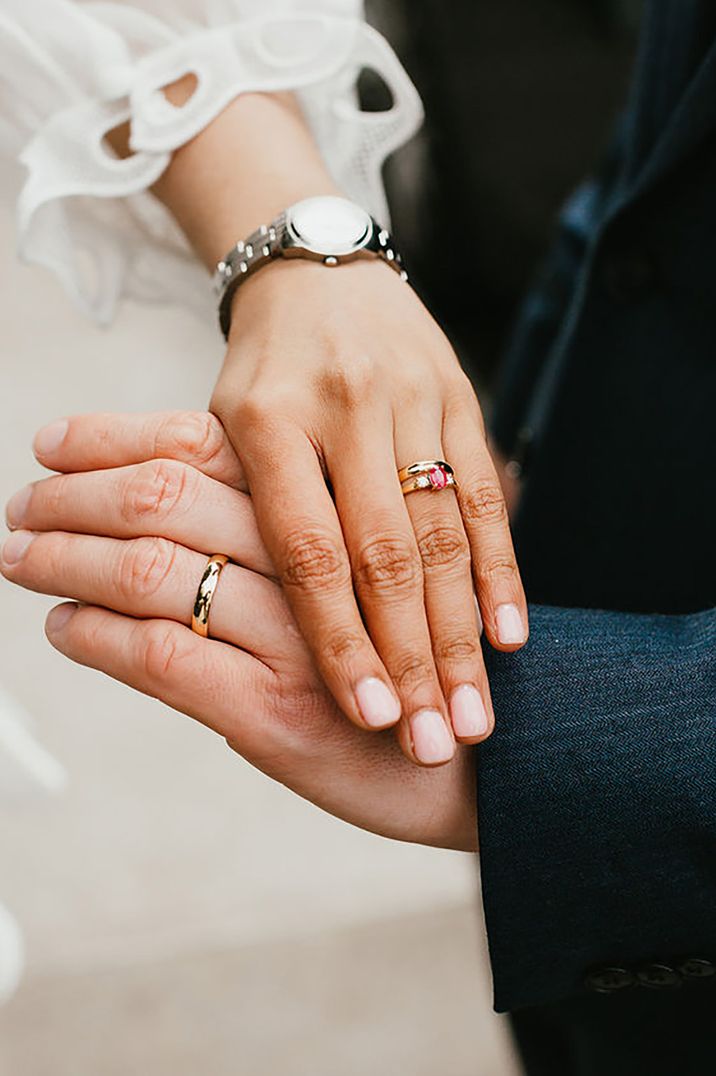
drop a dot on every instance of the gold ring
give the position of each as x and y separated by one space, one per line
426 474
205 594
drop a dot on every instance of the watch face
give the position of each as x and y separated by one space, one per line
332 226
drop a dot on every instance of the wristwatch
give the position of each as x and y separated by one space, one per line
325 229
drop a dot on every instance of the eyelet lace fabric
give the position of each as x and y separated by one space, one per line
71 71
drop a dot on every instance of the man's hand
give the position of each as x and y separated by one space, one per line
125 529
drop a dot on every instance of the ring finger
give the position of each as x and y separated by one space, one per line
388 581
150 578
449 595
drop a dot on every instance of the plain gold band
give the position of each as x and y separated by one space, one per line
205 594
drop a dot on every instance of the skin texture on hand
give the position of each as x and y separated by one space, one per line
125 528
382 586
333 380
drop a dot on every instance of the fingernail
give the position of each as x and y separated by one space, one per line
49 438
377 703
510 628
17 507
59 616
431 740
467 711
16 546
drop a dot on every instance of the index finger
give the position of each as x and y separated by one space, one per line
300 525
104 440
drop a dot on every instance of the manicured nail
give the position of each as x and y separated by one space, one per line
17 507
59 616
49 438
510 628
16 546
377 703
467 711
431 740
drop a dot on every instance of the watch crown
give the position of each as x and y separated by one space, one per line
330 260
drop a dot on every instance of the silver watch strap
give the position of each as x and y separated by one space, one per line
242 260
266 244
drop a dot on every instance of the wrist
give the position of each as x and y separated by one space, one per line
327 230
232 176
285 282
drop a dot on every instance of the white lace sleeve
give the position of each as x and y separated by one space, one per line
70 71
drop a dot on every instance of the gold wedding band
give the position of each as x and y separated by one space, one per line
426 474
205 594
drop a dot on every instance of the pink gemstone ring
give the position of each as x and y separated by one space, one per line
426 474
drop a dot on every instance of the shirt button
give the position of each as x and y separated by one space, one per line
628 275
608 980
696 968
658 976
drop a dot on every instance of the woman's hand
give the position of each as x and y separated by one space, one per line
333 380
129 539
341 376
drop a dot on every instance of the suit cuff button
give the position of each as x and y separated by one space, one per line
658 976
696 968
608 980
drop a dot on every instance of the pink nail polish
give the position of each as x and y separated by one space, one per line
49 438
16 546
378 705
467 711
16 508
432 741
510 628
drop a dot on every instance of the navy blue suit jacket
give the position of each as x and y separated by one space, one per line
597 792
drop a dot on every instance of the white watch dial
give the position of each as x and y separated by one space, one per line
332 226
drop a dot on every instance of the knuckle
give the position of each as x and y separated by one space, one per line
348 381
314 561
412 671
254 411
483 502
195 435
417 386
459 648
387 563
51 565
500 567
342 646
443 546
160 649
145 566
201 436
55 495
154 489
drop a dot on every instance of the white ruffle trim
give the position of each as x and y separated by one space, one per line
87 215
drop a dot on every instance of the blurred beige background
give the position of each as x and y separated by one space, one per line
183 914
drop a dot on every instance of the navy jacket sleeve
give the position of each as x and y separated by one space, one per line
597 801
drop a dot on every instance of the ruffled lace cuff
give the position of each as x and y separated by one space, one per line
74 71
